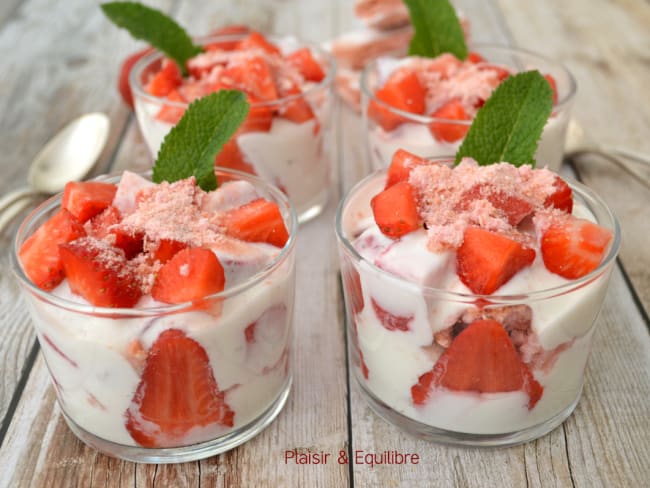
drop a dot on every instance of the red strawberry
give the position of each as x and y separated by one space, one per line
167 249
450 131
170 113
401 165
254 77
177 393
105 223
99 273
166 80
255 40
574 247
259 119
395 210
303 60
481 359
125 70
501 73
296 110
475 58
257 221
562 197
553 83
190 275
231 157
227 31
86 199
402 91
487 260
40 255
390 321
515 209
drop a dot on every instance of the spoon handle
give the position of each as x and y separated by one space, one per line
11 211
15 195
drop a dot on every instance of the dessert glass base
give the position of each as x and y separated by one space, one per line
186 453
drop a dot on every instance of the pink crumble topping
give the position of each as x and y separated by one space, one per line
442 194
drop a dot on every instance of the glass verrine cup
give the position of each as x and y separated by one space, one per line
427 136
286 141
398 329
96 356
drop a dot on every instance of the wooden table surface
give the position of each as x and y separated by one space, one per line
60 59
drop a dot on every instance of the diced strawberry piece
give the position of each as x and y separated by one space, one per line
190 275
480 359
170 113
231 157
515 209
296 110
475 58
401 165
255 40
562 197
167 249
101 224
574 247
40 254
395 210
177 393
303 60
553 83
99 273
131 243
166 80
125 70
487 260
450 131
402 91
259 119
444 65
86 199
390 321
257 221
501 73
105 224
254 77
353 291
193 90
226 31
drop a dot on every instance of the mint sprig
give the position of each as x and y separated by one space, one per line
156 28
437 29
191 146
509 125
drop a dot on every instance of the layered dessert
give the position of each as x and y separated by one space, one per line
163 312
426 105
288 86
472 292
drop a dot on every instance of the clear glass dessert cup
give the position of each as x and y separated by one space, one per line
293 156
553 339
415 132
96 355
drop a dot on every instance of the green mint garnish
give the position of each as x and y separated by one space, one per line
192 144
437 29
156 28
509 125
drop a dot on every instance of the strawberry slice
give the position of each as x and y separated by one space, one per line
99 273
231 157
86 199
395 210
487 260
166 80
574 247
296 110
401 165
515 209
125 70
177 393
259 119
390 321
450 131
303 60
553 83
254 77
40 255
169 113
562 197
402 91
257 221
255 40
481 359
167 249
190 275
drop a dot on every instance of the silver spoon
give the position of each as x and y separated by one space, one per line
69 155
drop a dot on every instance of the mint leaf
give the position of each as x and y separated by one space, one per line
437 29
509 125
156 28
191 146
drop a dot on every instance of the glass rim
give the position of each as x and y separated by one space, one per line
85 308
137 88
425 119
589 196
